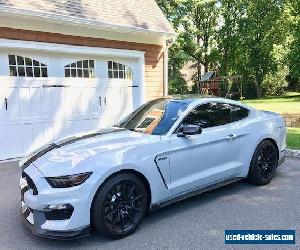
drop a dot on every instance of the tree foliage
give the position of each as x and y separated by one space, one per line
257 39
294 56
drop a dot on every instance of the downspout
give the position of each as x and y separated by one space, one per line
166 67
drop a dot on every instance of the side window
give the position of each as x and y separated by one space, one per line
26 67
238 113
209 115
81 69
119 71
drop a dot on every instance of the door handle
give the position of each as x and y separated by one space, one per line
5 103
105 100
230 137
100 101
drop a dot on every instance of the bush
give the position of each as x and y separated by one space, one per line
276 84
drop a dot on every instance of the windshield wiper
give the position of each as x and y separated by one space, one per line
132 129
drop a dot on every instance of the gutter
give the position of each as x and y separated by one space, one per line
169 43
81 22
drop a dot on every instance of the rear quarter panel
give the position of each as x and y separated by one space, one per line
259 126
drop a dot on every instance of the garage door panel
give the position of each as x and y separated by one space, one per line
78 126
76 100
38 134
25 102
56 108
94 97
65 102
94 124
9 109
63 128
10 145
27 137
36 102
45 102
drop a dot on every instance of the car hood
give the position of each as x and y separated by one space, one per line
67 155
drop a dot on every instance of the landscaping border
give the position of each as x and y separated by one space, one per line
293 153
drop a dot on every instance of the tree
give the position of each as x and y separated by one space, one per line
174 11
260 29
294 56
200 32
249 38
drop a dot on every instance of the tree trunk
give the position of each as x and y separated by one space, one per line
198 77
258 88
205 67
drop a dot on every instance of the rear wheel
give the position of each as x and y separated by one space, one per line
120 205
263 164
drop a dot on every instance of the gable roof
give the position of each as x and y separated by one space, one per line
134 14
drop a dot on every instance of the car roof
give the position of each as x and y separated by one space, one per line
188 99
198 99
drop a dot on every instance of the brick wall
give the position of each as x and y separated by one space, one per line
153 53
292 120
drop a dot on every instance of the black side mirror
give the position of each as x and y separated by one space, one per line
189 130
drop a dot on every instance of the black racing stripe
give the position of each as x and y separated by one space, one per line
86 136
26 212
23 190
65 142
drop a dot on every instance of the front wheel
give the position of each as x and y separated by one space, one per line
120 205
263 164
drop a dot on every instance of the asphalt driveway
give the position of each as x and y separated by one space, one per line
196 223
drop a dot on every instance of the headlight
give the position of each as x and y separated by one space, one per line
68 180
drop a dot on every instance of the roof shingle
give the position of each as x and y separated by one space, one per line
129 13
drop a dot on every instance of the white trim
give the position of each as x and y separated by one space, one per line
141 80
70 49
58 18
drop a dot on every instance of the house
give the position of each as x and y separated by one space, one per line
72 66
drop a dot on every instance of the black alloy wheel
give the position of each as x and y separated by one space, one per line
264 163
120 205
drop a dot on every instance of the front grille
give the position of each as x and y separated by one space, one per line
30 183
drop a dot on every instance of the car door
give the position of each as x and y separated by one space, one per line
202 159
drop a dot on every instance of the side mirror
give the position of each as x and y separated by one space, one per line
189 130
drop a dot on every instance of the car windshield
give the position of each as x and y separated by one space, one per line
155 117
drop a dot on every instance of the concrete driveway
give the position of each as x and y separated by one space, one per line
196 223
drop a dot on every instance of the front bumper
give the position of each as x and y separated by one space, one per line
39 219
42 221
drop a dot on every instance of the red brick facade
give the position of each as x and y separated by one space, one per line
153 53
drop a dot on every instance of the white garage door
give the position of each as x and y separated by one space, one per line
46 96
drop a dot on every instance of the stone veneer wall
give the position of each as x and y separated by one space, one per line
292 120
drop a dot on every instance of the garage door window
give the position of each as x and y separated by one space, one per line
26 67
119 71
84 68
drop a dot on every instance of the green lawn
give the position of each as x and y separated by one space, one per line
293 138
290 103
285 104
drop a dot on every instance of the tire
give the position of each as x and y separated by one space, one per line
263 164
119 205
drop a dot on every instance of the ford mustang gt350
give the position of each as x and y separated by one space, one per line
167 150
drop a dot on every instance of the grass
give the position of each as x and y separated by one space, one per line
293 138
290 103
